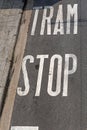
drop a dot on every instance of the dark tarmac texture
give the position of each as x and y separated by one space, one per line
55 112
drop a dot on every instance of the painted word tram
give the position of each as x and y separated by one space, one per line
61 26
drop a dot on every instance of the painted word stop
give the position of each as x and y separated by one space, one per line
67 71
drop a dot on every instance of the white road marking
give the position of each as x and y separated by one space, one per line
47 19
59 74
48 13
40 73
35 21
72 12
25 74
67 72
59 26
24 128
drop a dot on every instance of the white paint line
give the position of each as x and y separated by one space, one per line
24 128
35 22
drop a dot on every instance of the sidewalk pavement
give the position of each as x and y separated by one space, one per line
10 16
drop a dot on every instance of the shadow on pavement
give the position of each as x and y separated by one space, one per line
19 4
45 2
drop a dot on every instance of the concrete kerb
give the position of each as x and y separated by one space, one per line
10 16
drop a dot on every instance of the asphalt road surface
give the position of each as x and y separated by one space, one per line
52 91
